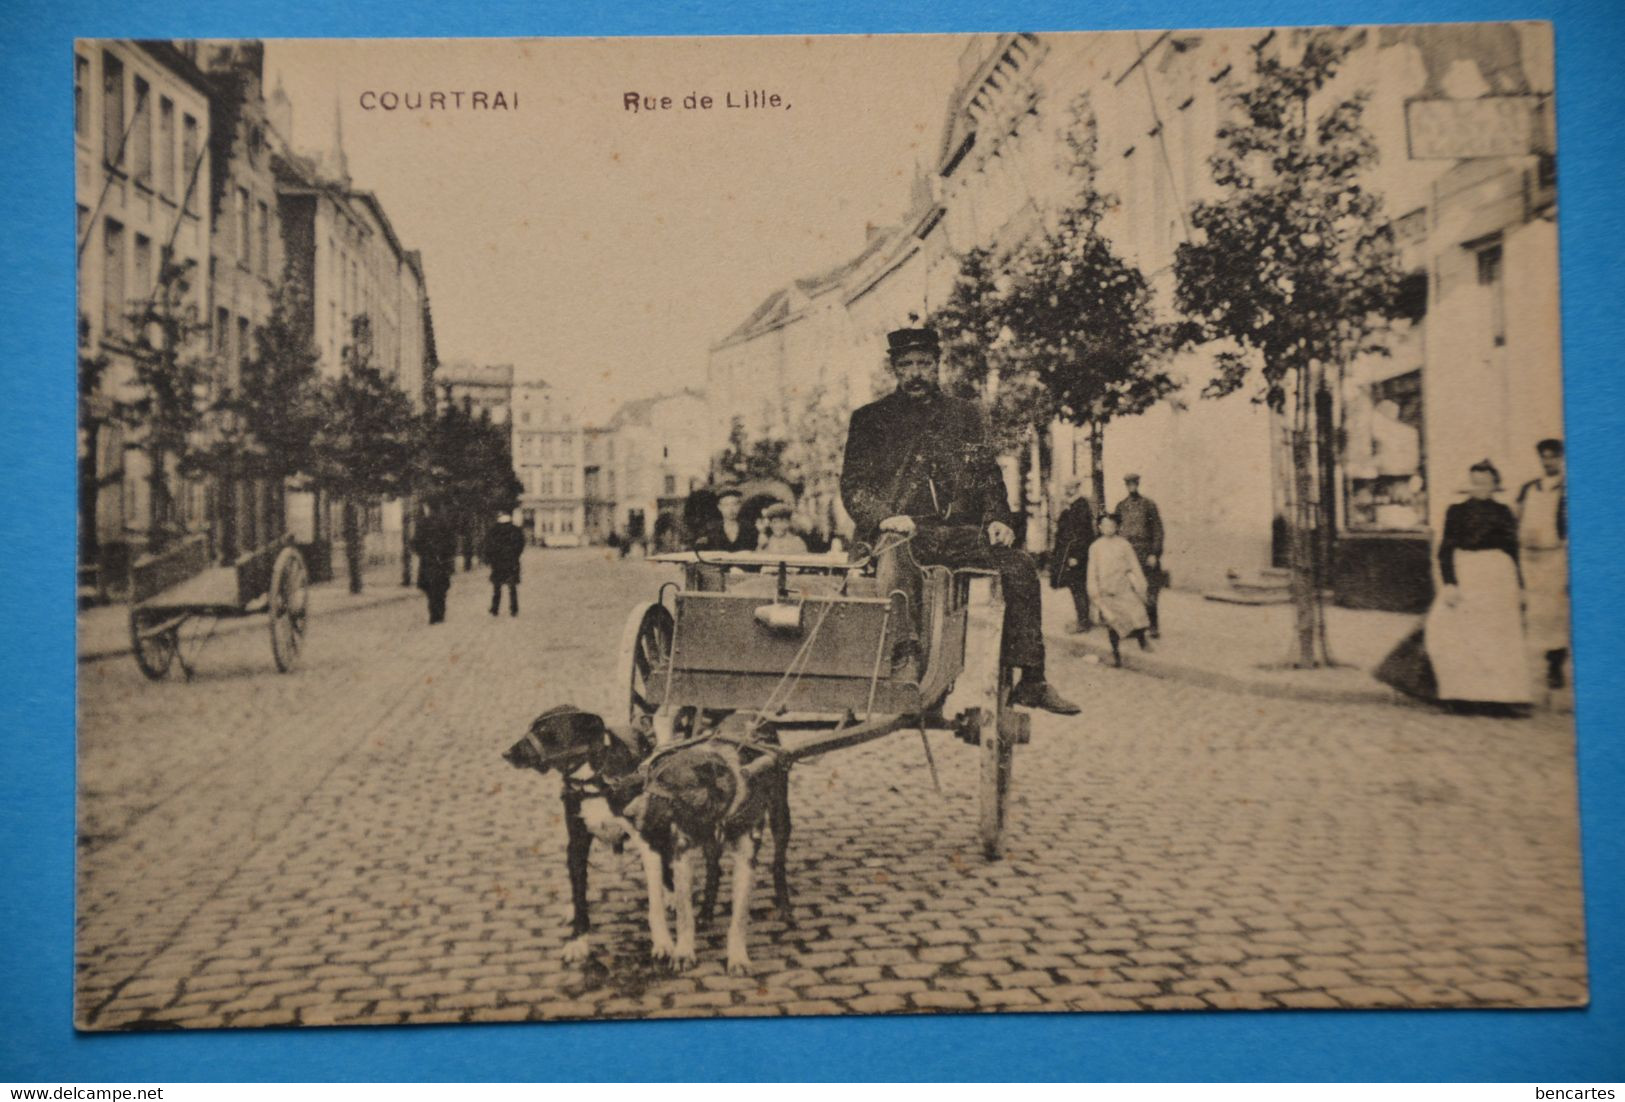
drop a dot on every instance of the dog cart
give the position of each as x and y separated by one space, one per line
170 589
806 643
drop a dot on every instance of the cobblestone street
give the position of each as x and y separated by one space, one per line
345 845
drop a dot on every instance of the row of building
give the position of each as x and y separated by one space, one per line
581 482
183 159
1474 367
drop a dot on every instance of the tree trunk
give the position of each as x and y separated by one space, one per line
1308 611
352 543
408 514
1097 465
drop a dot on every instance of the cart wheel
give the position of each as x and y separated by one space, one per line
981 698
153 653
645 652
1000 732
289 605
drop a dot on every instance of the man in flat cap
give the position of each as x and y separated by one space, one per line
919 464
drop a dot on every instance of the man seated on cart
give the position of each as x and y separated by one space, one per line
919 466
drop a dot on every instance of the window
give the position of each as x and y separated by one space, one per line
671 485
222 332
567 522
245 237
82 223
546 489
81 78
143 265
1384 459
567 482
609 449
189 158
264 237
242 341
112 109
141 132
609 484
112 279
166 147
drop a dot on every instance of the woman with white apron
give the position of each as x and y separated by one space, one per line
1474 633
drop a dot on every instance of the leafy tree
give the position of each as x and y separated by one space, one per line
171 369
468 465
745 459
280 391
812 456
366 445
1295 270
1084 318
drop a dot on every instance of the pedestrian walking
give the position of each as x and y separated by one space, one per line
1069 569
1543 541
1117 587
1474 631
1141 525
504 544
780 540
435 545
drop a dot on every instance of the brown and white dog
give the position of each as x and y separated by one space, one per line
713 794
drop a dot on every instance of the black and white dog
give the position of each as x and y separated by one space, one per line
600 771
717 793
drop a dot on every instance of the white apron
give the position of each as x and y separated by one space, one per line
1545 566
1477 647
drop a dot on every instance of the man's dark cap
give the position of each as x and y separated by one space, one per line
1550 446
899 341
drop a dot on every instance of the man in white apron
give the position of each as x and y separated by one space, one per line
1543 537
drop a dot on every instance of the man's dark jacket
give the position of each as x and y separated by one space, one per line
436 547
929 459
1074 532
504 543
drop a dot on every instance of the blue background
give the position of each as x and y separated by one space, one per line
36 613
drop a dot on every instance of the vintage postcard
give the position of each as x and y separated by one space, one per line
690 527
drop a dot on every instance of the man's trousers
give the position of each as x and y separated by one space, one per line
966 548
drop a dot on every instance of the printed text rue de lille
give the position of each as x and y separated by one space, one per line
751 99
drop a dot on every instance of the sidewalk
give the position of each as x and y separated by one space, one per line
104 632
1245 648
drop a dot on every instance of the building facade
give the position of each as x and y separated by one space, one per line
548 457
1473 369
142 185
599 485
662 453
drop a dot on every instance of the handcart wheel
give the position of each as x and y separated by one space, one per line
289 607
646 647
155 652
